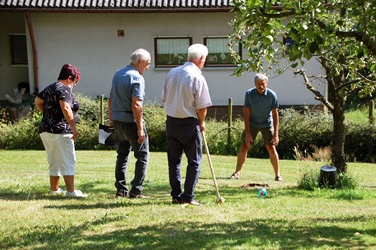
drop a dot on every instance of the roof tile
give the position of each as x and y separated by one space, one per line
112 5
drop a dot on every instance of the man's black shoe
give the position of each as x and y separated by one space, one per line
121 193
192 202
175 201
138 196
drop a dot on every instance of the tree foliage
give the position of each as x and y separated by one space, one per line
339 34
328 30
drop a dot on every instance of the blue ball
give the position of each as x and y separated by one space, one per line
262 192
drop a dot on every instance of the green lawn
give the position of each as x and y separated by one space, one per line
360 115
288 218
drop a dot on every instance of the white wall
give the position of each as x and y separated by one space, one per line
90 42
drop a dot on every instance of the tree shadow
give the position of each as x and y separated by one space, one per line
258 233
261 233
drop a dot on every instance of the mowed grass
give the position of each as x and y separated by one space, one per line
288 218
360 115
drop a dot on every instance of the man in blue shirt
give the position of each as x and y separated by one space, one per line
126 116
260 115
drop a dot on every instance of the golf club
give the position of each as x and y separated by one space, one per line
219 198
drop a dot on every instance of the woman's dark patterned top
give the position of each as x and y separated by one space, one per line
53 120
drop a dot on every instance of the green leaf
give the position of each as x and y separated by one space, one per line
313 47
373 68
267 39
268 29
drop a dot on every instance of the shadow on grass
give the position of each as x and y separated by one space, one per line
258 233
161 193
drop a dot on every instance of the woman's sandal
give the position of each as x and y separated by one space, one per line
235 176
278 178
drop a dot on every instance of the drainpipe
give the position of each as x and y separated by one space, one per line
35 58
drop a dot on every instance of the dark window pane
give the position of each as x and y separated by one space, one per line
18 48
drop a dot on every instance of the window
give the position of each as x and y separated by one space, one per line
18 49
288 42
219 54
171 51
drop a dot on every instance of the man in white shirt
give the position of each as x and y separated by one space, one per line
186 97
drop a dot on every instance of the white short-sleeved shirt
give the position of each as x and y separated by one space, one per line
185 91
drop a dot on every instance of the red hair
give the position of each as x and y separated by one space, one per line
69 70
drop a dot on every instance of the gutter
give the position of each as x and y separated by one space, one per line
34 48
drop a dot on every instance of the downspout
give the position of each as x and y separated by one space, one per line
35 58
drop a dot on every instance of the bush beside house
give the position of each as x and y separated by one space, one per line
303 132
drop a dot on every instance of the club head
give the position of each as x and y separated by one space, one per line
220 200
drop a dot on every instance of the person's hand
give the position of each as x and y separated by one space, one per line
141 136
75 134
202 126
275 140
110 124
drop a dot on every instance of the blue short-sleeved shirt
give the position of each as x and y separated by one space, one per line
127 82
261 107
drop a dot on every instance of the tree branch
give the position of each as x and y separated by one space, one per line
357 35
317 93
347 84
361 77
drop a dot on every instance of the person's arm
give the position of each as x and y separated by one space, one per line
39 103
109 111
201 115
275 115
248 137
137 113
68 114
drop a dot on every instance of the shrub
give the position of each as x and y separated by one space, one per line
308 133
88 136
309 180
345 181
303 131
311 177
22 135
360 143
4 116
155 119
216 134
90 109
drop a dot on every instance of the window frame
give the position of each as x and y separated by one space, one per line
18 55
225 64
159 64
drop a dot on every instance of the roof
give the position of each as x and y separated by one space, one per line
115 5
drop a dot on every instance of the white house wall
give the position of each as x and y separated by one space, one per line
90 42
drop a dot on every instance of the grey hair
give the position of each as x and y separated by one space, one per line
140 54
196 51
261 77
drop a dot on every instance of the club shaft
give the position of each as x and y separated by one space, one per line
210 164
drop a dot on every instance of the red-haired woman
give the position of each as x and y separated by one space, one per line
58 129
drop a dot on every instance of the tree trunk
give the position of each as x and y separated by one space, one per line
339 126
338 140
